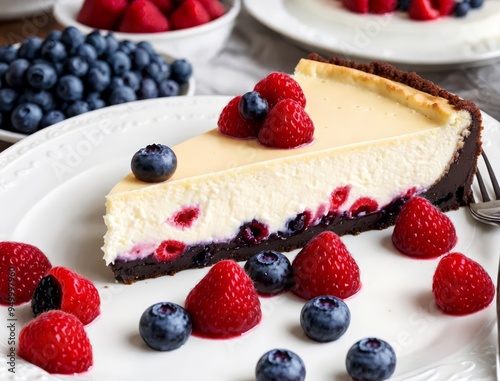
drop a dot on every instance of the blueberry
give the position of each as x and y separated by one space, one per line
115 83
325 318
165 326
370 359
270 271
153 70
146 45
87 52
42 98
53 51
148 89
30 48
122 94
140 58
181 71
26 118
41 76
132 80
52 117
53 35
76 108
77 66
98 76
8 98
163 64
97 40
112 44
3 68
168 88
403 5
461 9
155 163
253 107
8 53
96 103
72 39
119 62
15 75
475 4
127 46
280 364
69 88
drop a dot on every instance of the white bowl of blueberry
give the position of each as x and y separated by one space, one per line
192 29
43 82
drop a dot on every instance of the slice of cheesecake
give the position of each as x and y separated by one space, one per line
381 136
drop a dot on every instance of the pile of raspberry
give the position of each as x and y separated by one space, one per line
148 16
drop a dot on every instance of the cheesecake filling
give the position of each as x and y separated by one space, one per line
372 143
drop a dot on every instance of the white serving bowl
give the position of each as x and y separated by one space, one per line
15 9
197 44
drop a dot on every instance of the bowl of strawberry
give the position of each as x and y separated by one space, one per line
192 29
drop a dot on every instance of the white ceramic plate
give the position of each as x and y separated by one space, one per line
52 188
324 26
186 89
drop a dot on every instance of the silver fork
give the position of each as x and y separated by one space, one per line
487 211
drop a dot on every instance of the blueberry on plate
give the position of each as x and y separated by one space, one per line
112 43
154 163
8 53
119 62
132 79
165 326
253 107
69 88
87 52
325 318
30 48
26 118
148 89
15 75
97 40
41 76
270 271
53 51
42 98
461 8
76 108
168 88
76 65
8 98
370 359
52 117
98 77
140 58
280 364
121 94
72 38
181 71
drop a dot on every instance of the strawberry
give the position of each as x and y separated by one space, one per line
142 16
214 8
422 10
382 6
224 303
461 285
165 6
232 123
325 267
190 13
358 6
278 86
56 342
21 268
422 230
68 291
286 126
102 14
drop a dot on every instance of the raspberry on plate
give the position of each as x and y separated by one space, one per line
21 268
232 123
56 342
224 303
278 86
68 291
286 126
422 230
325 267
142 16
461 285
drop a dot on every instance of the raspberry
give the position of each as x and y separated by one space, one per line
189 14
56 342
169 250
278 86
142 16
382 6
224 303
338 197
232 123
363 206
358 6
325 267
461 285
68 291
422 230
21 267
214 8
287 126
422 10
